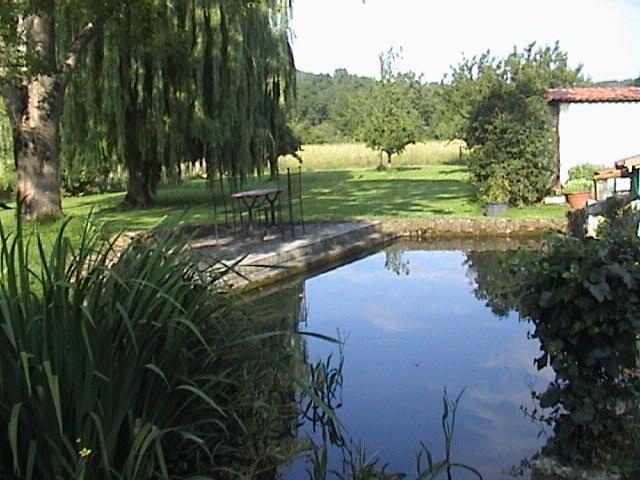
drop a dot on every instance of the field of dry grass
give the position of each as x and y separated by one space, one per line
356 155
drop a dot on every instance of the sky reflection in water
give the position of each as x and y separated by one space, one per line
408 337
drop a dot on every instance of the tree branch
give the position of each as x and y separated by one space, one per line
75 52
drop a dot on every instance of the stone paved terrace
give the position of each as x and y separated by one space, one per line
260 260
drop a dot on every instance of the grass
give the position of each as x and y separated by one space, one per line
356 155
335 188
403 192
422 191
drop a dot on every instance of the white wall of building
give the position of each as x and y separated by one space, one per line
597 133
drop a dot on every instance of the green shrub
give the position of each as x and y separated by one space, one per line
582 296
497 106
496 188
320 133
511 135
88 181
131 367
7 182
584 171
577 185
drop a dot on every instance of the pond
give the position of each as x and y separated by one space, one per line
417 319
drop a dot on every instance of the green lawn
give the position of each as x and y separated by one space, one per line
423 191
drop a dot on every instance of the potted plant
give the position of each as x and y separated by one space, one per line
496 195
577 192
578 189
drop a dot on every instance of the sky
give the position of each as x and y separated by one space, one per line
603 35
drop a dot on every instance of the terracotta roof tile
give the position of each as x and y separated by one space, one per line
629 163
594 94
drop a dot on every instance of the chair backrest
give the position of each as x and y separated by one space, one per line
294 197
294 185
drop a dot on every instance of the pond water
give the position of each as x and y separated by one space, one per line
416 321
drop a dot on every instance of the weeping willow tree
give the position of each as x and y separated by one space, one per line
183 81
35 71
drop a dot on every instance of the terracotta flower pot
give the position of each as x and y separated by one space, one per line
578 200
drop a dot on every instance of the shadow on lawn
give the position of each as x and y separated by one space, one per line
328 195
341 195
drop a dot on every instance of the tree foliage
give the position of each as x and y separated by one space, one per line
498 107
387 118
322 112
188 82
163 83
324 107
7 177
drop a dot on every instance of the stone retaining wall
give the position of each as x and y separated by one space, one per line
425 228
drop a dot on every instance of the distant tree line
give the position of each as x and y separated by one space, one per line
326 105
629 82
321 109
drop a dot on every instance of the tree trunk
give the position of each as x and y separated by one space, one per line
34 105
273 167
37 151
138 194
138 191
36 131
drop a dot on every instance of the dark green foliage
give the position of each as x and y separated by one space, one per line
325 132
510 135
89 181
131 367
582 296
498 108
322 111
7 164
326 112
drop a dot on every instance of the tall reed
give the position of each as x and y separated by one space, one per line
130 367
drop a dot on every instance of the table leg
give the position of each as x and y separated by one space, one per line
272 203
250 206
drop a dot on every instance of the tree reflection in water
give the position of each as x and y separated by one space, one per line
580 296
494 281
395 261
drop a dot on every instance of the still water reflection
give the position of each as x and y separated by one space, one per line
416 321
